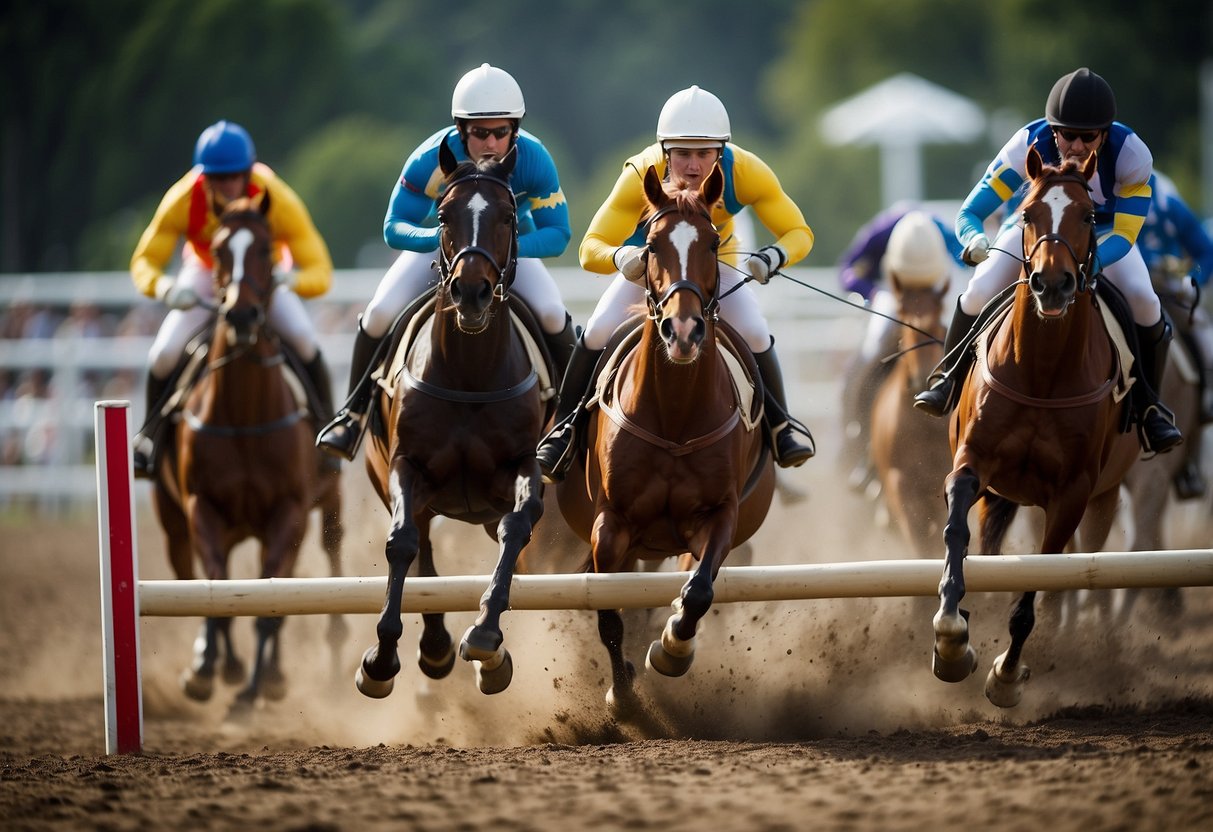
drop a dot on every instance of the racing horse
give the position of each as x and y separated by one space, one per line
673 465
460 428
241 462
909 452
1038 421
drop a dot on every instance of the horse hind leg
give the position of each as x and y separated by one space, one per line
621 695
266 678
436 649
381 661
1007 678
332 535
198 681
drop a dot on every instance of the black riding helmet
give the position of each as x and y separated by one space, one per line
1081 100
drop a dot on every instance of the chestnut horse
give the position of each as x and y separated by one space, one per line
242 462
909 451
1038 422
462 424
674 466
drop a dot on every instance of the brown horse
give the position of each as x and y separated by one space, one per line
1038 423
674 465
242 463
909 451
462 424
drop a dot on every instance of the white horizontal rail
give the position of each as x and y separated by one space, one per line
866 579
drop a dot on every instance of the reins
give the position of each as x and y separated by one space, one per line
506 273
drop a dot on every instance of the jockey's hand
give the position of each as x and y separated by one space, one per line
286 277
977 250
630 262
765 262
173 296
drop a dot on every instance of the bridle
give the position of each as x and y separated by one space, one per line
711 305
1085 266
505 273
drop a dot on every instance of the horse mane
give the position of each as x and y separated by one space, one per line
686 199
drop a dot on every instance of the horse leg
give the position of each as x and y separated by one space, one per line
381 662
672 654
1008 676
332 534
482 641
609 542
205 533
436 649
954 658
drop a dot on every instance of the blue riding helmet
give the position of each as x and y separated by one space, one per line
224 147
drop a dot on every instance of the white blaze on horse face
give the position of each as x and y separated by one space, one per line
238 244
682 236
1058 200
476 205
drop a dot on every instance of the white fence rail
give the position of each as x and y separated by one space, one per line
814 334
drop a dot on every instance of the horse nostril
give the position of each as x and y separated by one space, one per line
1069 284
666 328
1036 283
700 330
485 294
456 292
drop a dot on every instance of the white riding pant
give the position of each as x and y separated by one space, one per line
881 337
287 316
623 299
413 273
999 270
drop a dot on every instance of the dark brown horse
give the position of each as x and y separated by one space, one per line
463 421
1038 422
909 451
242 463
674 464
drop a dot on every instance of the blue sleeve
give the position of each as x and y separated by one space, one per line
543 212
1193 238
409 225
949 238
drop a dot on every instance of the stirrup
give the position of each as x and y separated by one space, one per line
344 444
1164 413
934 400
794 454
559 443
143 457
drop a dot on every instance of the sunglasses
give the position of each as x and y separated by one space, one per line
1087 136
483 133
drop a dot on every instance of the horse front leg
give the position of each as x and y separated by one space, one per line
436 649
381 662
609 543
672 654
332 534
483 640
205 534
954 659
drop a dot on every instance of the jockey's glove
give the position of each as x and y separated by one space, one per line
173 296
630 262
765 262
977 250
286 277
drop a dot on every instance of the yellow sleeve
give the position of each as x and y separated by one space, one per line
757 186
159 240
292 225
617 218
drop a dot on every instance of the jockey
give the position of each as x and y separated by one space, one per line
1079 120
920 249
693 135
487 107
1173 238
225 168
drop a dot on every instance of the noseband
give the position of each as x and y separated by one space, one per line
711 306
1085 267
506 273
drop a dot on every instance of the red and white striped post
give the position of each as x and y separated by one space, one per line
119 579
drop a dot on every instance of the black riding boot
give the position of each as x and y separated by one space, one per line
788 450
340 436
560 347
322 403
144 447
935 399
554 453
1158 432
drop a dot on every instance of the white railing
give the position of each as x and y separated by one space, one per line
815 334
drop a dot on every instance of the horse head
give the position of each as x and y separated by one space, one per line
478 236
1058 218
919 305
244 267
681 277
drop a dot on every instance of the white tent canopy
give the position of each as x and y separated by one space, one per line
900 114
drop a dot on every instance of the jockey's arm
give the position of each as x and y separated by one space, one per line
1193 238
410 205
292 224
159 240
757 186
613 224
1133 193
545 204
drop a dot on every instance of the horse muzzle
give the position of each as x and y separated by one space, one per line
683 338
1053 297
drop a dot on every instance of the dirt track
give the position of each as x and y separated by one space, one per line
795 715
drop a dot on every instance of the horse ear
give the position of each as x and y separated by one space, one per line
506 166
264 206
712 187
1035 163
446 159
652 187
1088 166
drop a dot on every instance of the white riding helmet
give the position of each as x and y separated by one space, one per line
917 253
693 118
487 92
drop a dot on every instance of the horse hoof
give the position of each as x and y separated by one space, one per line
439 669
273 686
368 685
233 672
954 670
492 680
241 709
480 645
198 688
665 663
1004 692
